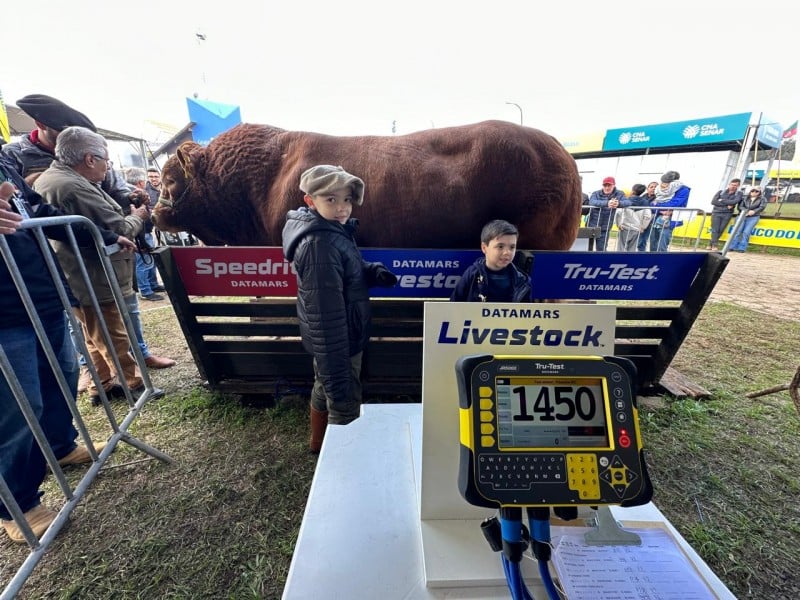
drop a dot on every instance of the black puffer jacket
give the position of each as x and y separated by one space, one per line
333 294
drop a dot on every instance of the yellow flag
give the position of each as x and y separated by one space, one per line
5 133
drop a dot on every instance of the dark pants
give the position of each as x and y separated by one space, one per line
719 223
339 413
22 463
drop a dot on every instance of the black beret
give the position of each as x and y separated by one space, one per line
53 113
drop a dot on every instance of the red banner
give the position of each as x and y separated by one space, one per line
235 271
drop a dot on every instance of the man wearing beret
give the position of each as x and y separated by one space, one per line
34 153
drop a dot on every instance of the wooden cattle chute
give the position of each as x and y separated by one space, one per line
249 346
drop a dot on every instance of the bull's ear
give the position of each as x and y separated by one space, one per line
188 153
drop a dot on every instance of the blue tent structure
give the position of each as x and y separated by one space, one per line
211 118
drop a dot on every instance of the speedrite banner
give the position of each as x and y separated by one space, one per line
263 271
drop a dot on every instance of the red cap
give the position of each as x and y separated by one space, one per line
610 180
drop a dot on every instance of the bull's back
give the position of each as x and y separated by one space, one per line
437 188
434 188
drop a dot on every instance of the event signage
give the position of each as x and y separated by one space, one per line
784 233
614 275
263 271
727 128
452 330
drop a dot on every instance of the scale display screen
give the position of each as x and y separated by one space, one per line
549 431
551 412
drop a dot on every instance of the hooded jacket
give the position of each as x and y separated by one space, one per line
332 294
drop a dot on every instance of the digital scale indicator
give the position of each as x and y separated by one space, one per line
549 431
552 412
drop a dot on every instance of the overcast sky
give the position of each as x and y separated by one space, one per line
353 67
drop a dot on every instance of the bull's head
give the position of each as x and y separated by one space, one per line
176 178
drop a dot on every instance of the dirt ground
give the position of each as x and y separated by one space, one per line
761 282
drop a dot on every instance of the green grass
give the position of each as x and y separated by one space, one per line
222 521
788 209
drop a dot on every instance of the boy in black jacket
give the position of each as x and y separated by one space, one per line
494 278
333 284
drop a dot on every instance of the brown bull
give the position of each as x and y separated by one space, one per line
430 189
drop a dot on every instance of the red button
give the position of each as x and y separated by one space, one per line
624 441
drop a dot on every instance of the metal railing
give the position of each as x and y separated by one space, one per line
664 223
120 428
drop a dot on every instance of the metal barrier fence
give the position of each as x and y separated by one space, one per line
662 232
120 428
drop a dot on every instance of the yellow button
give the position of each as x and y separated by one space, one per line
485 392
486 404
487 428
487 416
487 441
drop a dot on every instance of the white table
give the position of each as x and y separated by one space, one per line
361 532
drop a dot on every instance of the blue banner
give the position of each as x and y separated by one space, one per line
614 275
554 275
421 273
727 128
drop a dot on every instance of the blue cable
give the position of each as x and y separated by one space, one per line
513 550
539 523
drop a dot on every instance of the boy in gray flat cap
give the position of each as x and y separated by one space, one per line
333 282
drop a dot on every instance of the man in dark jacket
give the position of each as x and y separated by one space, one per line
333 283
724 201
605 201
22 463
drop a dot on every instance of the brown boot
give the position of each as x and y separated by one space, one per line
319 421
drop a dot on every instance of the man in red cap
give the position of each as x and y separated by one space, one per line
604 203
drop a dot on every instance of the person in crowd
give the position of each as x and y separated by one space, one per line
649 196
145 265
131 301
494 277
71 183
631 222
34 153
333 282
670 194
22 463
585 209
724 201
605 201
753 205
153 189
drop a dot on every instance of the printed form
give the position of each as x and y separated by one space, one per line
656 570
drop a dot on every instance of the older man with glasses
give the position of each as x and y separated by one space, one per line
71 184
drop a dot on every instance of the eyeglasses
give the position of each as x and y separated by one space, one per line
754 192
109 162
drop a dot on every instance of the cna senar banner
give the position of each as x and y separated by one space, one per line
726 128
263 271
